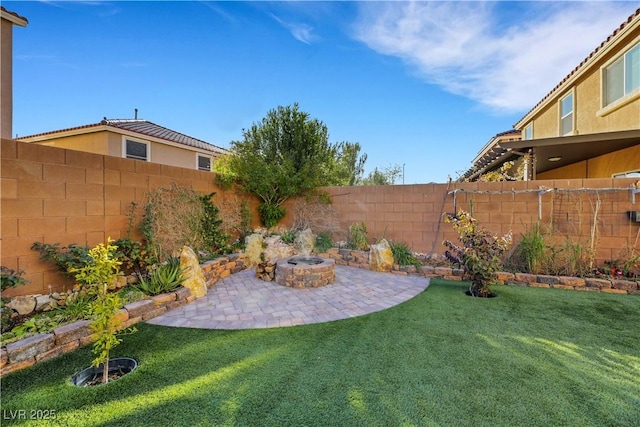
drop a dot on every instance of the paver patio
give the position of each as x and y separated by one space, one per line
241 301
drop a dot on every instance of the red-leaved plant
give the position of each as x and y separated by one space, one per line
479 254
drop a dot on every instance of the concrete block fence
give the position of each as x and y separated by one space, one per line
63 339
55 195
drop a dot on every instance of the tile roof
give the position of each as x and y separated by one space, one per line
627 22
142 127
148 128
15 15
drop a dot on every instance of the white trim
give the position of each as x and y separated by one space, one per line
613 175
626 98
572 94
198 155
524 132
140 141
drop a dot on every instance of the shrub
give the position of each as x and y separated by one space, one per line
479 254
357 238
323 242
402 255
67 258
288 237
270 214
133 255
532 249
175 217
9 278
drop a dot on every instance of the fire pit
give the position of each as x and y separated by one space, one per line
305 272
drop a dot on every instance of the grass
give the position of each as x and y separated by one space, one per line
531 357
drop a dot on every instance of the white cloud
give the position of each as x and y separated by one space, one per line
300 31
503 55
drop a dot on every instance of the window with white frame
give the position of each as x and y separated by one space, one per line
136 150
528 131
204 163
566 115
623 76
631 174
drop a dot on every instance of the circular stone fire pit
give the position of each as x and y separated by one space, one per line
305 272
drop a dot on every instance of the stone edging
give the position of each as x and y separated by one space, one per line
360 259
66 338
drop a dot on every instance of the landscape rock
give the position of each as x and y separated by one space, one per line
24 305
276 249
381 256
43 303
195 280
253 248
304 242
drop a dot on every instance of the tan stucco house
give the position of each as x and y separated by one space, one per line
588 125
8 20
134 139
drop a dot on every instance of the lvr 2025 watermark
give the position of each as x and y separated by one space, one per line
28 414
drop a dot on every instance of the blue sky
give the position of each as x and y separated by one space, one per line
419 84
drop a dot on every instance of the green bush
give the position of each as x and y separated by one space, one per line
357 238
216 241
402 255
288 237
67 258
532 249
323 242
270 214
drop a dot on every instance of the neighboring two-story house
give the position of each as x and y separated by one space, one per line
134 139
588 126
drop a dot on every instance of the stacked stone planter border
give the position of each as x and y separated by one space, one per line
360 259
29 351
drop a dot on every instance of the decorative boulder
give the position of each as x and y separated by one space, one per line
24 305
380 256
195 280
253 248
276 249
304 242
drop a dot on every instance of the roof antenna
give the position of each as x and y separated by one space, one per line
136 113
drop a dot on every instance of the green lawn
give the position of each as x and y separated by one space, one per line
529 357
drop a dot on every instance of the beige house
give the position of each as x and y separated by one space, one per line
134 139
7 21
492 155
588 126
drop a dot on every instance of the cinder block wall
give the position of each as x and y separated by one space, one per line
575 209
55 195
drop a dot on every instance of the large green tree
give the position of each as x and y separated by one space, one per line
286 154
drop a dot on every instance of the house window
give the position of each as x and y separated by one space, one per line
632 174
136 150
528 131
566 115
623 76
204 163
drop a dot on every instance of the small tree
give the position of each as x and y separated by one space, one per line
479 255
287 154
103 269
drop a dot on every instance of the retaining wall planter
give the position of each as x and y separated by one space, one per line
31 350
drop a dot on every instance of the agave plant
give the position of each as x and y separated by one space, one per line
165 277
